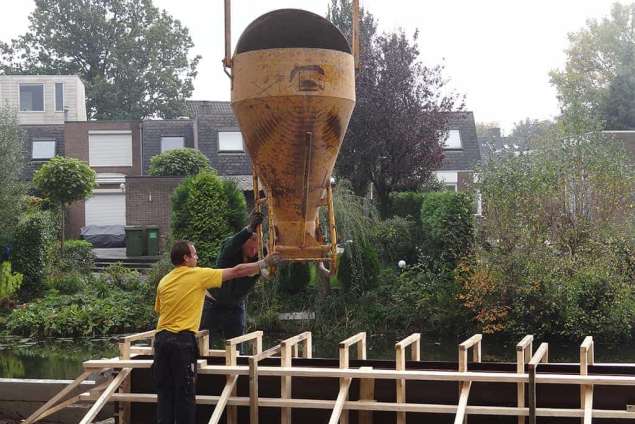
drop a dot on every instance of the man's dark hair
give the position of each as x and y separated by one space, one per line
179 250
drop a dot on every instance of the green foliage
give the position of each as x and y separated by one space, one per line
201 213
178 162
78 256
397 238
10 282
447 225
65 180
133 58
293 277
358 268
160 269
102 306
34 237
236 205
65 283
556 250
120 276
406 203
11 163
598 54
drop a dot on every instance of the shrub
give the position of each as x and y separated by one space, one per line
359 267
120 276
78 256
397 238
159 270
65 283
11 164
10 282
34 239
236 205
201 213
178 162
447 225
406 204
293 277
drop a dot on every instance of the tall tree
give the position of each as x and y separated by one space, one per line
11 160
134 59
600 57
393 137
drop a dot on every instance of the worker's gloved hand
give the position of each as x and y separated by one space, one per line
269 260
254 221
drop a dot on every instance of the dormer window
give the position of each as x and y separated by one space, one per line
452 140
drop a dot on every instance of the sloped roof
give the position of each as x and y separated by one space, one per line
208 107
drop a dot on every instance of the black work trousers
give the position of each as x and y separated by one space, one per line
174 371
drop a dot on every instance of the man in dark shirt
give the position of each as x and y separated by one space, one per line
224 309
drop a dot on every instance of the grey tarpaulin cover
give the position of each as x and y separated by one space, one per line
103 236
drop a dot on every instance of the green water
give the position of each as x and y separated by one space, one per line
62 358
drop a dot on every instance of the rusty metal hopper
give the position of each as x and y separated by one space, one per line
293 92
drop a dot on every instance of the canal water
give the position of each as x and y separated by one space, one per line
62 358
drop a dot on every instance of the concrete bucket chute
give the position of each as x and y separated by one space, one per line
293 92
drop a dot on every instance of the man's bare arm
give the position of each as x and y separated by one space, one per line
252 268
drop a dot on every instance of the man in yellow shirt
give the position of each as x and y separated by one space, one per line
179 304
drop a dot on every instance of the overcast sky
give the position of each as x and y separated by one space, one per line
496 52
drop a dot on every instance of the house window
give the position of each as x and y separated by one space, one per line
449 179
230 142
43 149
31 97
452 140
171 143
110 148
59 97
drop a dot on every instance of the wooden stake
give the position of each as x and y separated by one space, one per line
366 393
105 396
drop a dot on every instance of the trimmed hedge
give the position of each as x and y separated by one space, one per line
447 221
293 277
203 213
178 162
407 203
34 237
78 256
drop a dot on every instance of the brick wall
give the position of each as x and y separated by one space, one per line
148 202
154 130
34 132
76 143
225 163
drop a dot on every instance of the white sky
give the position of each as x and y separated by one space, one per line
497 52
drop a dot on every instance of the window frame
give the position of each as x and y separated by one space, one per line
447 137
55 98
232 152
171 137
41 84
43 140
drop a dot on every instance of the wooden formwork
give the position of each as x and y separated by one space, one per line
290 354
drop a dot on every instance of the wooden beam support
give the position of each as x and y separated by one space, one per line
414 341
285 381
222 400
523 355
103 398
338 409
253 390
462 406
586 391
65 391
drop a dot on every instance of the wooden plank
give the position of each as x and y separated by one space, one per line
70 401
400 365
230 360
253 390
342 415
308 345
285 382
51 402
382 406
227 62
462 406
338 409
249 337
222 400
107 393
523 355
138 336
588 405
366 393
471 341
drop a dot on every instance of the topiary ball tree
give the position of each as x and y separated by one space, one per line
178 162
63 181
204 213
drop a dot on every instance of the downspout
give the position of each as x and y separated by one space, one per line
195 131
141 146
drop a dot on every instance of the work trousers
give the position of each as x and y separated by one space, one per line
174 372
225 320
